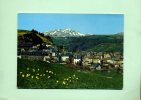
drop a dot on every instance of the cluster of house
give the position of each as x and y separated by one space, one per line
91 60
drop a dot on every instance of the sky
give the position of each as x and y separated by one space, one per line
84 23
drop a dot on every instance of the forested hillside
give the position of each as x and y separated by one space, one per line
33 36
98 43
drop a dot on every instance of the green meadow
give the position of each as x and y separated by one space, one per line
42 75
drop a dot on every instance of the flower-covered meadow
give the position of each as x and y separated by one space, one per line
41 75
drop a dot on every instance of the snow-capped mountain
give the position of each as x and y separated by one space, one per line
64 33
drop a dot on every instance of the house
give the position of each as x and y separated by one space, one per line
77 59
98 67
87 61
22 50
118 61
106 55
117 65
35 47
88 54
48 50
54 59
95 66
110 61
53 54
46 58
116 54
33 50
96 60
19 56
26 46
48 45
99 55
32 57
65 58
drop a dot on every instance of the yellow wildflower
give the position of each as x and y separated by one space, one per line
64 82
21 72
37 77
27 68
32 76
33 70
22 75
50 71
27 75
64 79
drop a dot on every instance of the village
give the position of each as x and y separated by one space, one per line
102 61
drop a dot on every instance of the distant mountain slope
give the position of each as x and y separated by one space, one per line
64 33
34 37
108 47
99 43
120 33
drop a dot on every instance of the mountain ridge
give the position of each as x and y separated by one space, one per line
68 32
64 33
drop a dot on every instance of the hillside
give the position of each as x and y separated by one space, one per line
42 75
34 37
98 43
108 47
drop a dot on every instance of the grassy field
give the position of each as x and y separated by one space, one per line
41 75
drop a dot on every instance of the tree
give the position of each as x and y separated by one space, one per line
34 31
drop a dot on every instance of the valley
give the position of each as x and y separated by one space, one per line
70 61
